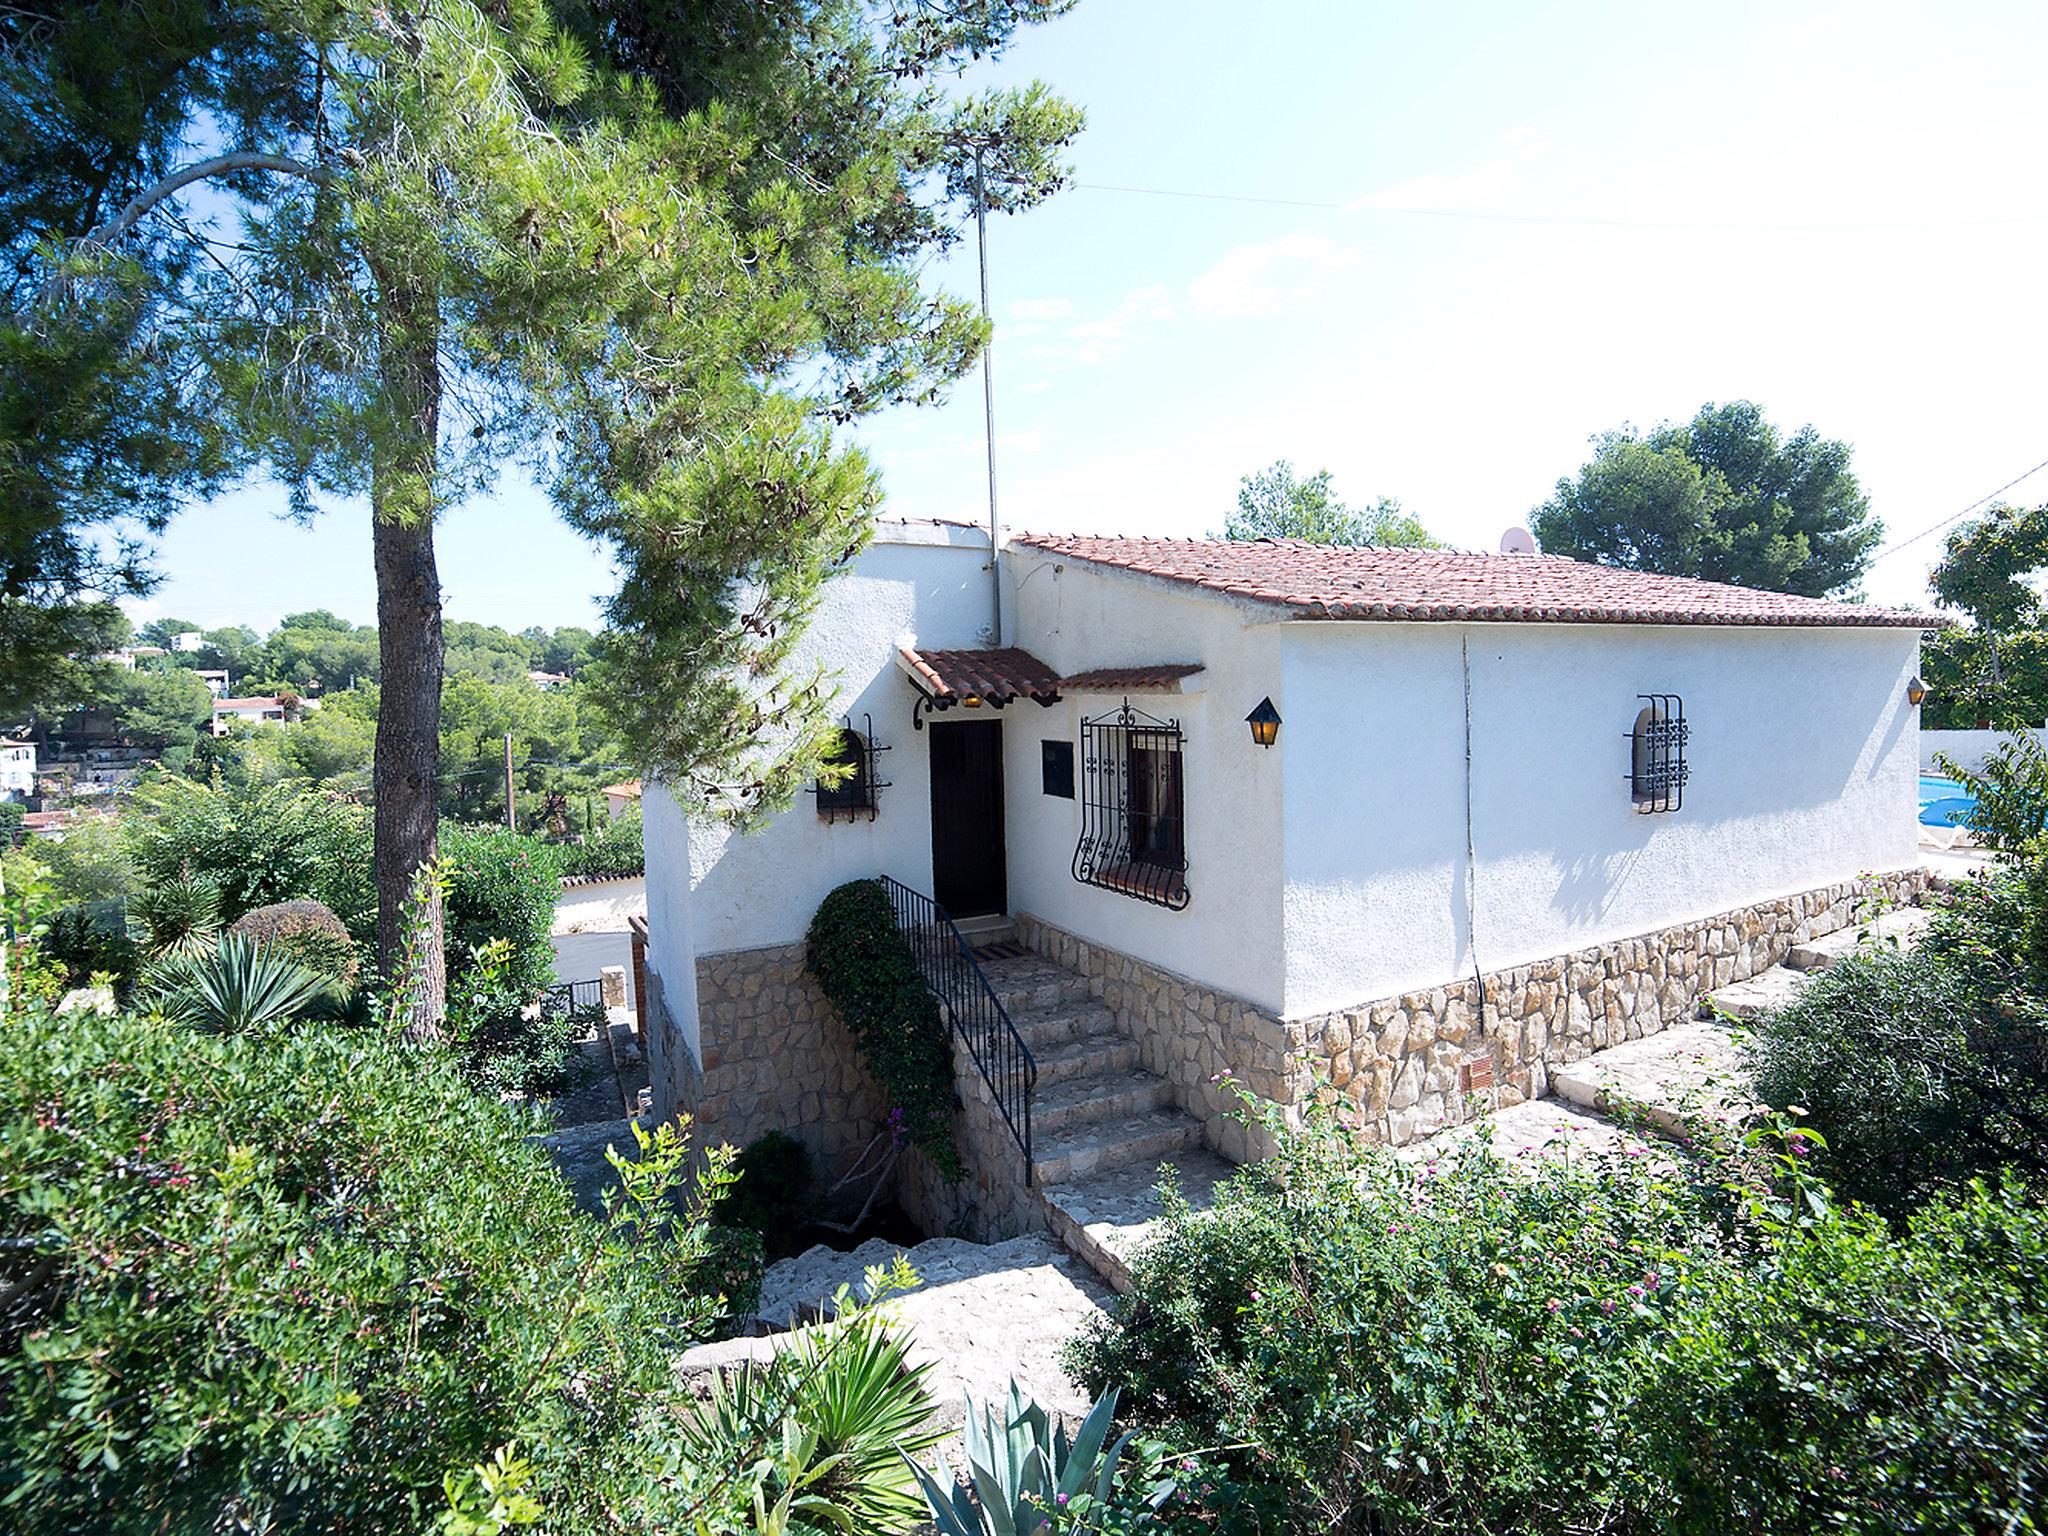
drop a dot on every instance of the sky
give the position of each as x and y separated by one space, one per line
1435 249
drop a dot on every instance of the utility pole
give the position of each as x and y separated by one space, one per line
511 812
988 408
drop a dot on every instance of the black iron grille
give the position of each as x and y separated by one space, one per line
1133 823
857 795
1657 768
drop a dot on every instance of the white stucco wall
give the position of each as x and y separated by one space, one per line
758 888
1969 748
1803 753
671 937
1075 616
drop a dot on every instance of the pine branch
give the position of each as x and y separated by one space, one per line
219 165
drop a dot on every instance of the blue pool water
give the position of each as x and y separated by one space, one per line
1944 802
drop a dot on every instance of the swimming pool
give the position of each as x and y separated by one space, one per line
1944 802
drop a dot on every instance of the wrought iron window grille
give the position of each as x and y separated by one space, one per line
858 795
1658 771
1133 808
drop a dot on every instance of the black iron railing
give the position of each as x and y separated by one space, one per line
566 997
973 1011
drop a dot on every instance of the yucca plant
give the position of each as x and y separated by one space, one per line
1027 1476
857 1402
236 985
178 917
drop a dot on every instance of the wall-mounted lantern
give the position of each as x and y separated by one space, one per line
1915 691
1265 723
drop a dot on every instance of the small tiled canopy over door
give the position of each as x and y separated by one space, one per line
968 875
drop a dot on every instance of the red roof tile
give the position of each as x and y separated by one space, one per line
1153 679
1327 582
995 676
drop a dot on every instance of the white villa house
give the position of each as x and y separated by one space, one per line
17 768
1418 826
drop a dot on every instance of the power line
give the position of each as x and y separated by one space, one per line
1697 226
1893 549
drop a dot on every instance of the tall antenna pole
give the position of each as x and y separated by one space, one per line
988 409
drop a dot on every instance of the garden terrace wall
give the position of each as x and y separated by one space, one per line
772 1055
1423 1060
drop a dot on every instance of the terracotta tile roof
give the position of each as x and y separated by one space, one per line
258 701
1153 679
1326 582
628 790
996 676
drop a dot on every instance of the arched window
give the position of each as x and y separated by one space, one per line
853 795
1657 766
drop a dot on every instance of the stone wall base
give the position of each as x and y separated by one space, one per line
1416 1063
992 1201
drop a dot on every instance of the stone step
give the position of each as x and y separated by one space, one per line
1027 982
986 932
1046 1029
1094 1055
1540 1130
1107 1217
1763 993
1899 928
1102 1145
1085 1100
1667 1082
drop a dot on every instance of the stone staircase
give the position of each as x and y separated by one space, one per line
1103 1129
1770 990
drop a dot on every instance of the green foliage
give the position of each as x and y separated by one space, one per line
1975 678
1984 566
1725 497
237 984
2011 791
617 847
1025 1474
1696 1342
858 1405
1276 503
305 931
1921 1071
771 1192
178 915
291 1280
89 940
501 887
866 970
90 862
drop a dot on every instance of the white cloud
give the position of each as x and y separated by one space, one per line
1462 189
1040 309
1090 343
1269 276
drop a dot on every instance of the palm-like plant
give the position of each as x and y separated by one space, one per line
848 1397
238 984
178 917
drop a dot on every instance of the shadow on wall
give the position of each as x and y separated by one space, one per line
1590 883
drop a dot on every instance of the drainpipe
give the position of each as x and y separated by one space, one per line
988 410
1471 858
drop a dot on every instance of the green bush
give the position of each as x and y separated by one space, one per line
1921 1070
616 849
866 970
771 1192
501 886
91 939
1668 1343
2010 792
288 1281
306 931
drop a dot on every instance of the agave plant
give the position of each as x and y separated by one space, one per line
178 917
1026 1474
235 985
849 1399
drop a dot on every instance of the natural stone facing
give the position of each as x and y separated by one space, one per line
1671 1080
1107 1217
1765 992
775 1057
1899 928
1542 1130
1436 1057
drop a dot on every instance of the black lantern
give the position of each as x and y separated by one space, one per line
1265 723
1915 691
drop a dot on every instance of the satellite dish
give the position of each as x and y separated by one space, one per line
1518 541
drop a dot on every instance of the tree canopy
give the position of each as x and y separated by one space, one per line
1724 497
1995 670
1278 503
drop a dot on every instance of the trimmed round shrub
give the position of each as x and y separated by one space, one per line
305 931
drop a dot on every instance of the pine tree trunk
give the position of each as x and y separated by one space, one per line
406 774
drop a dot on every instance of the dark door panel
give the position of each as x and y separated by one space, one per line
968 877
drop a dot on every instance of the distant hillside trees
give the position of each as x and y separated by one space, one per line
1278 503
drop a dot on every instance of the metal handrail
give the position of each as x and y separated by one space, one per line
973 1011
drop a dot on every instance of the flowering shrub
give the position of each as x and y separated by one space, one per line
1671 1342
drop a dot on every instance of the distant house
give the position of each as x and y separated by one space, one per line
270 708
216 680
49 824
547 682
187 640
621 798
128 657
17 768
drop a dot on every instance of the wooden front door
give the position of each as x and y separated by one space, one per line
968 878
